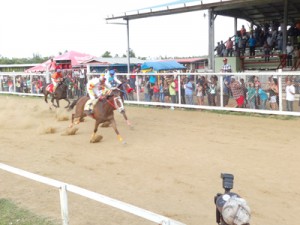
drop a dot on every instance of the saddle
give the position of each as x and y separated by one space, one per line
89 106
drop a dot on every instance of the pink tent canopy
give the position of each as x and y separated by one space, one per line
75 57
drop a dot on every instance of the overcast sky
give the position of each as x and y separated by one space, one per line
47 27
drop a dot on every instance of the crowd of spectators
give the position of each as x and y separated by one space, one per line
205 90
195 89
34 83
267 39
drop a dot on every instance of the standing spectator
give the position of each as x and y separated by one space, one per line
189 92
252 44
296 57
147 89
132 78
223 49
270 41
200 93
229 47
161 91
182 90
279 41
219 49
290 95
18 84
10 84
237 92
267 50
166 91
226 90
172 91
212 84
289 52
243 31
155 88
226 68
176 87
262 96
243 85
152 77
82 80
273 92
251 95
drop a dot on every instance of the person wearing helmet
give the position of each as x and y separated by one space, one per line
96 89
56 78
112 81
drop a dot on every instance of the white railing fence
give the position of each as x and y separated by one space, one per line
138 96
64 188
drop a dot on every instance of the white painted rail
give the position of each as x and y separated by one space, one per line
64 188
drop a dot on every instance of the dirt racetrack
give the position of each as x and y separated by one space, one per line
170 165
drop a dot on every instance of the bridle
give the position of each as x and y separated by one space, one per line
115 105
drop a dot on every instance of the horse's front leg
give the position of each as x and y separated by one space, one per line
126 119
94 137
57 103
52 101
114 126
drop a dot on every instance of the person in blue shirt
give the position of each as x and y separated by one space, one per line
111 80
252 44
152 77
262 95
189 91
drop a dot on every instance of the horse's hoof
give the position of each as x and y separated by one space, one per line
124 142
96 139
70 131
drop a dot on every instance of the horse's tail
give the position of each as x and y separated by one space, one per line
72 105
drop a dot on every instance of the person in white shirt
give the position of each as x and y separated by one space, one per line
96 89
290 95
226 68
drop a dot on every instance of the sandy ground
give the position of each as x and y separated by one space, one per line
170 165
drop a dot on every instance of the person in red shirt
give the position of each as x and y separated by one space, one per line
52 66
56 78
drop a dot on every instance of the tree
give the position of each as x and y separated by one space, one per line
106 55
131 54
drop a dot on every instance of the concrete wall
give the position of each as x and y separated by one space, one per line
235 63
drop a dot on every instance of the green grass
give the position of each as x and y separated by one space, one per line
11 214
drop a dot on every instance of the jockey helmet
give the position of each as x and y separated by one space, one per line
112 72
58 70
102 78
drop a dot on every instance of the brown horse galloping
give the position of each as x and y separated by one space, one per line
60 93
103 112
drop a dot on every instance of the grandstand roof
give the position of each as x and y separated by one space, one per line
256 11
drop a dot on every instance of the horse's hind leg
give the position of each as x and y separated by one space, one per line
68 102
46 97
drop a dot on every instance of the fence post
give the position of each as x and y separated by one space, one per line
221 82
279 77
64 204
